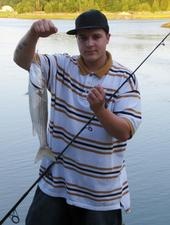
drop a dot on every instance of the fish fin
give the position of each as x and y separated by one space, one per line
45 152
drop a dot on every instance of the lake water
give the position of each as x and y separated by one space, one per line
148 153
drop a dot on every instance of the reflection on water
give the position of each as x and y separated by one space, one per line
148 153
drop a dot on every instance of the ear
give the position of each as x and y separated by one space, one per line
108 37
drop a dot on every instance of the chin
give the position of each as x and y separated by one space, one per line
90 57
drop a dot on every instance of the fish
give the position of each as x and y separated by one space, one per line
38 108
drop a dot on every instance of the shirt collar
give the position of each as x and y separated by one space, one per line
101 72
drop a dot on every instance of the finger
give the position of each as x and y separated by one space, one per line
39 27
49 26
45 27
92 96
53 28
101 90
96 93
35 28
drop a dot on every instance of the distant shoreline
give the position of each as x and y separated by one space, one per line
111 16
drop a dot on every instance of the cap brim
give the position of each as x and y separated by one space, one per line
71 32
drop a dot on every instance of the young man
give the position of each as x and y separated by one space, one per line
88 184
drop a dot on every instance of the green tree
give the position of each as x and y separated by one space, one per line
168 5
144 7
113 6
155 5
73 6
125 5
150 2
164 5
12 3
37 5
133 4
25 6
51 7
80 5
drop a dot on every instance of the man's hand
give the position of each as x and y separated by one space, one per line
25 49
43 28
96 99
116 126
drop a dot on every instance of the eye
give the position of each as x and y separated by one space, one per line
82 38
96 36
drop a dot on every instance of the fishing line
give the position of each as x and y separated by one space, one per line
12 213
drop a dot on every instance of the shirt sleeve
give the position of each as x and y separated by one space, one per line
128 103
49 68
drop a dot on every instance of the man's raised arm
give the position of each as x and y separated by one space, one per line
25 49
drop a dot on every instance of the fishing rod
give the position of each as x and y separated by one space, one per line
12 213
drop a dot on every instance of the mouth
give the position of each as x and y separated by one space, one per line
91 52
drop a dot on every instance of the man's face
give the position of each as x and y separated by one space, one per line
92 44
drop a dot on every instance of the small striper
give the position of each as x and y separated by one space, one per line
38 104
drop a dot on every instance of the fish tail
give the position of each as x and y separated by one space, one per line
45 152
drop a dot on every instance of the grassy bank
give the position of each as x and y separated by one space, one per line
118 15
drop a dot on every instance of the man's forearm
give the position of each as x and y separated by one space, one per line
25 50
114 125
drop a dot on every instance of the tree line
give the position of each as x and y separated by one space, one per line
52 6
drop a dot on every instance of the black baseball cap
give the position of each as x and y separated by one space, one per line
90 19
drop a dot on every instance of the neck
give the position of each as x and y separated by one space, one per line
103 70
95 65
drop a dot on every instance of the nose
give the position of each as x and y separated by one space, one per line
89 42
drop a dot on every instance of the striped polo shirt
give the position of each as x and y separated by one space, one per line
91 173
